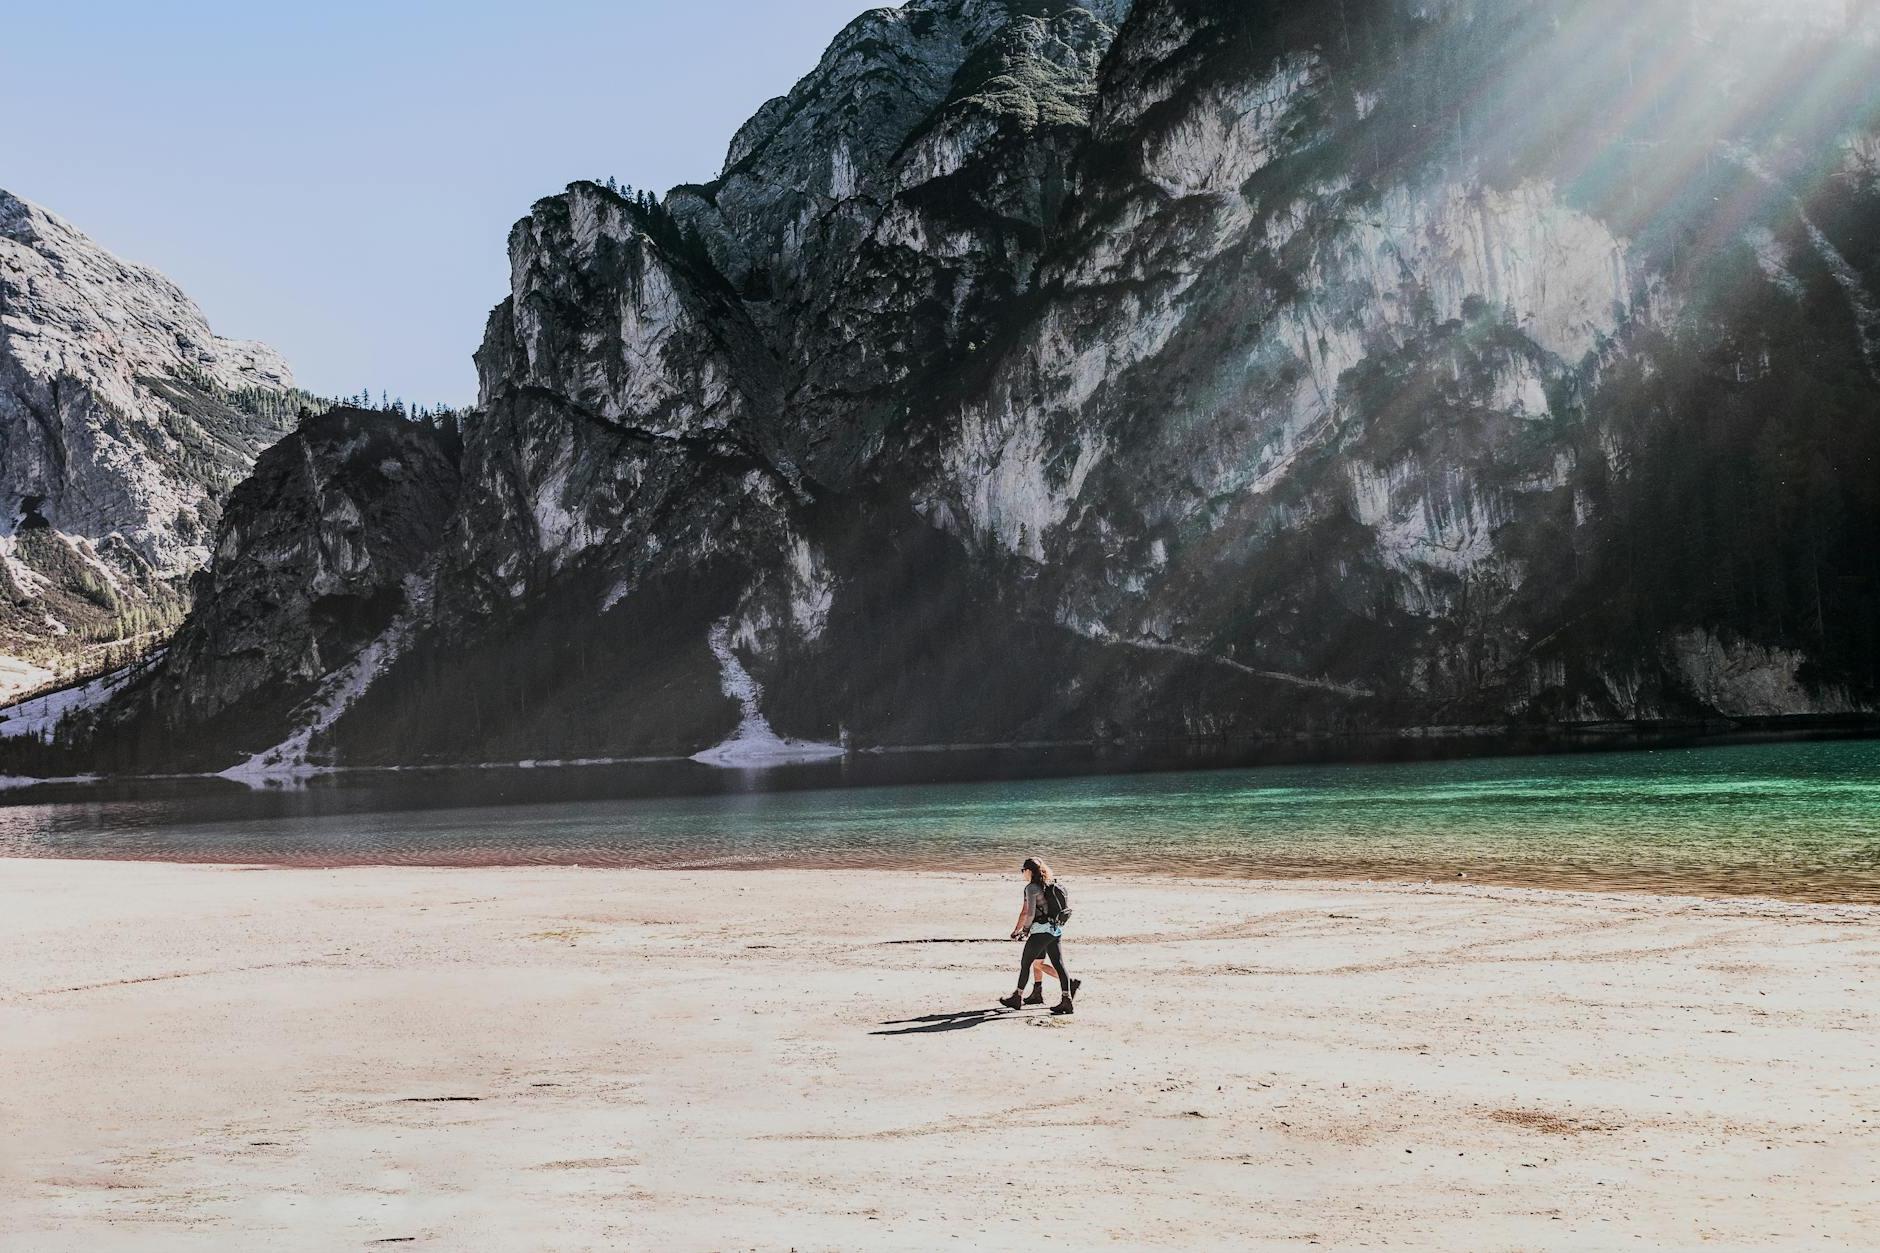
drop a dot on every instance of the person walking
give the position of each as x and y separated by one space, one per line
1040 923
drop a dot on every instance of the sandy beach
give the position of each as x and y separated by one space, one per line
212 1057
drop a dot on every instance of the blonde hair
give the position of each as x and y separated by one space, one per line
1040 872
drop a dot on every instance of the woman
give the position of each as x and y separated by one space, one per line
1041 942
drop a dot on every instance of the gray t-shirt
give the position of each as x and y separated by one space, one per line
1034 901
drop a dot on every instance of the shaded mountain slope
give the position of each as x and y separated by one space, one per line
1190 368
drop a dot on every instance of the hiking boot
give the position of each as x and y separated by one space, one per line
1064 1007
1036 997
1011 1002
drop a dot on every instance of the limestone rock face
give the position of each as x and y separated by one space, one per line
124 421
618 380
320 550
880 219
1190 367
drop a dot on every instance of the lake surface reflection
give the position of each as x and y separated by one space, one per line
1798 819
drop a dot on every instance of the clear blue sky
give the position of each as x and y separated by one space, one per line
337 177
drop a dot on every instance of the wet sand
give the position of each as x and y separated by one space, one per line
557 1058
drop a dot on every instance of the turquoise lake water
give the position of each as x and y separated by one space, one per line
1798 820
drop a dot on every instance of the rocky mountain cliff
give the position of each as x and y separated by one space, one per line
124 421
1053 370
328 544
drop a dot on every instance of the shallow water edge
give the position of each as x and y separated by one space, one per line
1791 819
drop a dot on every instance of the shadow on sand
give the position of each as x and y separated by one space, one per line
926 1023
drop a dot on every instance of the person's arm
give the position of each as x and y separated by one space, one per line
1024 918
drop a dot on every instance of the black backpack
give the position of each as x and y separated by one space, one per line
1056 906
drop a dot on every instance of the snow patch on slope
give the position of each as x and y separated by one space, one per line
288 759
18 675
39 716
755 742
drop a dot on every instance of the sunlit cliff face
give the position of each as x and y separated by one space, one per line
1251 365
1336 366
1460 234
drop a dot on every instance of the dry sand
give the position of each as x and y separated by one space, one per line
217 1058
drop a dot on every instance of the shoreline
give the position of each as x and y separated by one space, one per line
1785 823
1469 742
1479 882
558 1058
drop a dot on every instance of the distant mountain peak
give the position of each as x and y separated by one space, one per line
124 420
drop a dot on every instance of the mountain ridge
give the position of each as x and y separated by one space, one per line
123 421
1193 370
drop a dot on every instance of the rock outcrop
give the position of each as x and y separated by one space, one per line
324 556
1058 370
124 421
